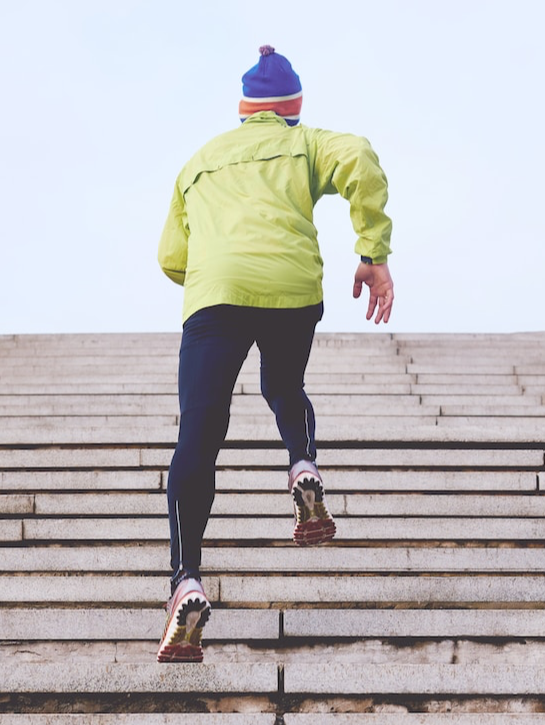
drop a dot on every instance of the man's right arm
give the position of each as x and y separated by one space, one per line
346 164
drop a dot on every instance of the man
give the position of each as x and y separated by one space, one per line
240 237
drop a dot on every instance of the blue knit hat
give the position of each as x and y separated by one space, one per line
271 85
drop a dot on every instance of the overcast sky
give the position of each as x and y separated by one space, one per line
104 100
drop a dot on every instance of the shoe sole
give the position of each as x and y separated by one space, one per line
314 524
182 639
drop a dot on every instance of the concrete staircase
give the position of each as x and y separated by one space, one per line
428 609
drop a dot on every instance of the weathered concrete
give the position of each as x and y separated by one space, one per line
392 428
485 410
433 458
314 388
372 589
456 380
154 559
244 529
66 423
82 404
453 387
248 718
413 623
11 530
127 624
460 366
139 678
448 569
105 589
274 504
421 679
402 717
338 479
16 504
146 504
79 480
58 458
433 505
257 589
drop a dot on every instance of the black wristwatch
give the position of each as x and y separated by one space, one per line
366 260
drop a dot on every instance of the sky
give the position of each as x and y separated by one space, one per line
104 101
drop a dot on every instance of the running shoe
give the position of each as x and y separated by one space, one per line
188 610
313 523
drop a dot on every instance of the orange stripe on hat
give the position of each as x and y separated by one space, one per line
290 107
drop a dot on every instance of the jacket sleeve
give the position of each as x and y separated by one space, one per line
173 244
347 165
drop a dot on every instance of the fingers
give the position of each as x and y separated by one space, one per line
384 308
372 305
356 292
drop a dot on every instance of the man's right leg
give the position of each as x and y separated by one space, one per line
214 346
215 343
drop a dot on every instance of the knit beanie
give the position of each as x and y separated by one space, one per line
271 85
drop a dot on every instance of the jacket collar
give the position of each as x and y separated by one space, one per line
266 117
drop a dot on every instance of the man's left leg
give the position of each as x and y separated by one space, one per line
284 338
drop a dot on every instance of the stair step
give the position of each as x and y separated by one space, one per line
176 678
258 590
127 624
240 625
274 504
429 599
336 479
437 458
409 528
423 679
263 678
148 718
400 717
289 559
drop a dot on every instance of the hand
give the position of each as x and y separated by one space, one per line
381 289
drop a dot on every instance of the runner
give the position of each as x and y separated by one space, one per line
240 238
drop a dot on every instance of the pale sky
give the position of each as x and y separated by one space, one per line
103 101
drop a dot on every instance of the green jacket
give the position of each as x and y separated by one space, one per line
240 227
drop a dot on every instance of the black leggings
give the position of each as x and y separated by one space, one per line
215 343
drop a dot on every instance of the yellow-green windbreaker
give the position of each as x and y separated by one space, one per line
240 227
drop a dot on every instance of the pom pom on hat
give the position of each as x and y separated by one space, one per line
271 85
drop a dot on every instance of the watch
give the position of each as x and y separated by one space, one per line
366 260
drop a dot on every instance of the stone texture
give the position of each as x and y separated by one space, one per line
249 718
15 504
417 679
419 623
11 530
433 458
371 589
128 624
104 589
79 480
64 425
81 678
153 558
249 529
57 458
455 419
411 718
430 505
370 480
156 504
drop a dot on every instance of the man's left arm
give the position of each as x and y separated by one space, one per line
174 240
